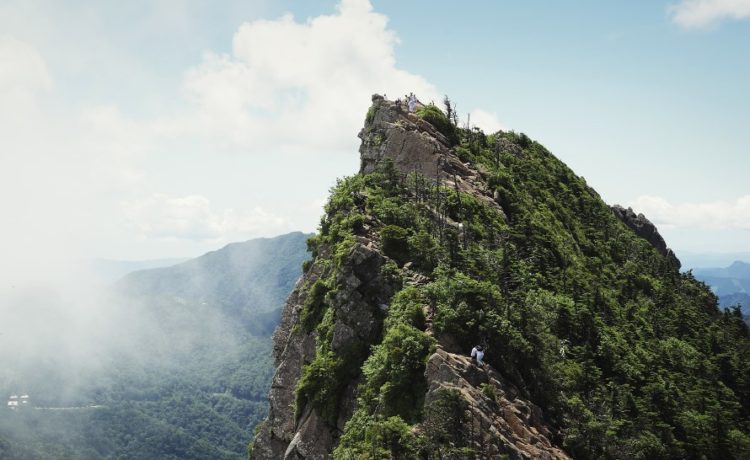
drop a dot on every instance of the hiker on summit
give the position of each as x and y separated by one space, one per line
477 355
412 100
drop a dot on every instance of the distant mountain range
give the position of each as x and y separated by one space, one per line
731 284
109 271
183 363
738 298
696 260
248 282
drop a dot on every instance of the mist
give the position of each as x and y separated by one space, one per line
142 365
61 337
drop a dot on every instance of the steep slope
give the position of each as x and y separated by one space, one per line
597 346
183 363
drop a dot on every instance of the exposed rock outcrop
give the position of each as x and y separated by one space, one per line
503 422
392 132
415 146
646 230
292 432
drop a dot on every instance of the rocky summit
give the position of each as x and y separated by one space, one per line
596 346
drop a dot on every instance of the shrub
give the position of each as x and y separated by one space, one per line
314 306
436 117
489 392
372 437
424 250
393 436
406 308
319 385
313 245
394 372
395 244
445 420
370 115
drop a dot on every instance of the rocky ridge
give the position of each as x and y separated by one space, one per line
508 425
392 133
511 425
646 230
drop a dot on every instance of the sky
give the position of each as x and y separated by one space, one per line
154 129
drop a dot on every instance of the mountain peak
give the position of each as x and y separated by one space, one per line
392 132
448 238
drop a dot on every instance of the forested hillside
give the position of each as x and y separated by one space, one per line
450 237
183 370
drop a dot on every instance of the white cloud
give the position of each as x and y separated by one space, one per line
192 217
23 75
287 85
705 13
716 215
23 67
486 121
299 84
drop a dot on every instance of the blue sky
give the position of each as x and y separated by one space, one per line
151 129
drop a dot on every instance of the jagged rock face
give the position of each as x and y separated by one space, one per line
646 230
361 294
415 146
392 132
502 423
291 350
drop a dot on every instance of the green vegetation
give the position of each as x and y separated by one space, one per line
392 395
370 115
319 384
394 373
203 408
395 244
628 357
314 307
446 425
432 114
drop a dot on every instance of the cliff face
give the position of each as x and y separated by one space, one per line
448 238
293 429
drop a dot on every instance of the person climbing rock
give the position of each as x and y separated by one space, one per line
477 355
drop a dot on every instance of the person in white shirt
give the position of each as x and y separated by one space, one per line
412 102
477 354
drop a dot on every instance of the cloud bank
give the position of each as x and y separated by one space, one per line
288 86
22 76
486 121
716 215
303 85
697 14
192 217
